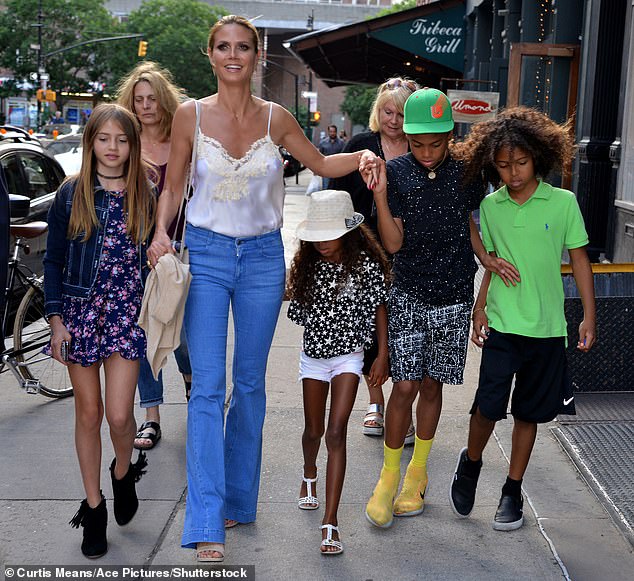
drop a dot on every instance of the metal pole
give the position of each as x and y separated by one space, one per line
310 89
297 114
39 60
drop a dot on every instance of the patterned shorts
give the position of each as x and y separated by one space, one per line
427 341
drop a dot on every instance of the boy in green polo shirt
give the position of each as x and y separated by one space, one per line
522 328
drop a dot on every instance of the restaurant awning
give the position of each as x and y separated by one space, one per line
424 43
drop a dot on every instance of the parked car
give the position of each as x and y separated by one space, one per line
67 150
46 135
30 171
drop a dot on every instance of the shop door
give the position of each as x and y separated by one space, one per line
545 77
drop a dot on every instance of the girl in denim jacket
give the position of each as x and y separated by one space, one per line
93 270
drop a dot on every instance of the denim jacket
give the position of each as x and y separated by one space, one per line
71 266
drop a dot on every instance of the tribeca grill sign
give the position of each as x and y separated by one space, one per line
438 38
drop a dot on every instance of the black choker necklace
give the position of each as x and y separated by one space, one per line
110 177
432 172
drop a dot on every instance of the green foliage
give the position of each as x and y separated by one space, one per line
176 32
357 103
65 22
405 5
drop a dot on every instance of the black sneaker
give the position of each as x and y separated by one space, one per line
509 515
463 486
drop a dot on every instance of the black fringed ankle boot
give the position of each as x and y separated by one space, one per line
126 502
94 521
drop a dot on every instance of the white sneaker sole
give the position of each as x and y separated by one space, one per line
387 525
508 526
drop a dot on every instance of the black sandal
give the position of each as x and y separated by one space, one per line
144 433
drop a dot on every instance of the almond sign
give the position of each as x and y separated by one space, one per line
473 106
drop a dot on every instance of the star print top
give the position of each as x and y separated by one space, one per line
436 262
341 318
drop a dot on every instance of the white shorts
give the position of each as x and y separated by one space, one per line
326 369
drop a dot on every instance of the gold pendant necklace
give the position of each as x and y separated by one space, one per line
432 172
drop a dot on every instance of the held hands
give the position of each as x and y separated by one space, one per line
480 331
161 244
59 333
379 371
504 269
369 165
587 335
374 175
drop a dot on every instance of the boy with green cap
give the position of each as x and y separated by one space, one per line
424 218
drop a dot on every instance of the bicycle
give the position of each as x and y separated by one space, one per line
34 371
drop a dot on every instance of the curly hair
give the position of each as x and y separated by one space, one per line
550 144
300 285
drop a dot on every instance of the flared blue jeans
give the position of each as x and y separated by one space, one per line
223 466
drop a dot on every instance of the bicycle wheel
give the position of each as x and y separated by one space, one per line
31 332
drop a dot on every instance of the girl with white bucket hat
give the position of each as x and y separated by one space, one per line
338 290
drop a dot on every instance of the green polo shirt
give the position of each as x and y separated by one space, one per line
532 237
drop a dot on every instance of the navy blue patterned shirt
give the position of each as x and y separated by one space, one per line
436 262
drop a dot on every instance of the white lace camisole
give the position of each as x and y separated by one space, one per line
238 197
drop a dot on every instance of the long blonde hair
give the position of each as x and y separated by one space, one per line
168 95
397 90
139 200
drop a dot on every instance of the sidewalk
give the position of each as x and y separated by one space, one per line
567 532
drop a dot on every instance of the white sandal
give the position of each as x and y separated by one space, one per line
330 542
309 502
374 414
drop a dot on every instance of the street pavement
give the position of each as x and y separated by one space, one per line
567 533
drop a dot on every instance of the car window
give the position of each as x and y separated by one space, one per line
13 173
36 175
57 147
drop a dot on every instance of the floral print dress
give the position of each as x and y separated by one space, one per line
106 322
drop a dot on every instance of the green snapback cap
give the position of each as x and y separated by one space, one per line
427 111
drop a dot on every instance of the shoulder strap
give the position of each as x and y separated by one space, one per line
190 177
268 127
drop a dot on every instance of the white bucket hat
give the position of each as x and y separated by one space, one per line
330 216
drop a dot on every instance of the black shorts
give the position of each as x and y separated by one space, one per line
543 388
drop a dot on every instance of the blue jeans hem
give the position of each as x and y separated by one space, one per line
151 403
239 515
194 536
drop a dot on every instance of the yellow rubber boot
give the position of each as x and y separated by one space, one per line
379 508
411 500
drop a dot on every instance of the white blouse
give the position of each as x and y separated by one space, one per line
238 197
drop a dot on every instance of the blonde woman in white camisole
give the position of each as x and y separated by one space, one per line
237 260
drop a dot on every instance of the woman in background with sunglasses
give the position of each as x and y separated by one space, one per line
387 140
